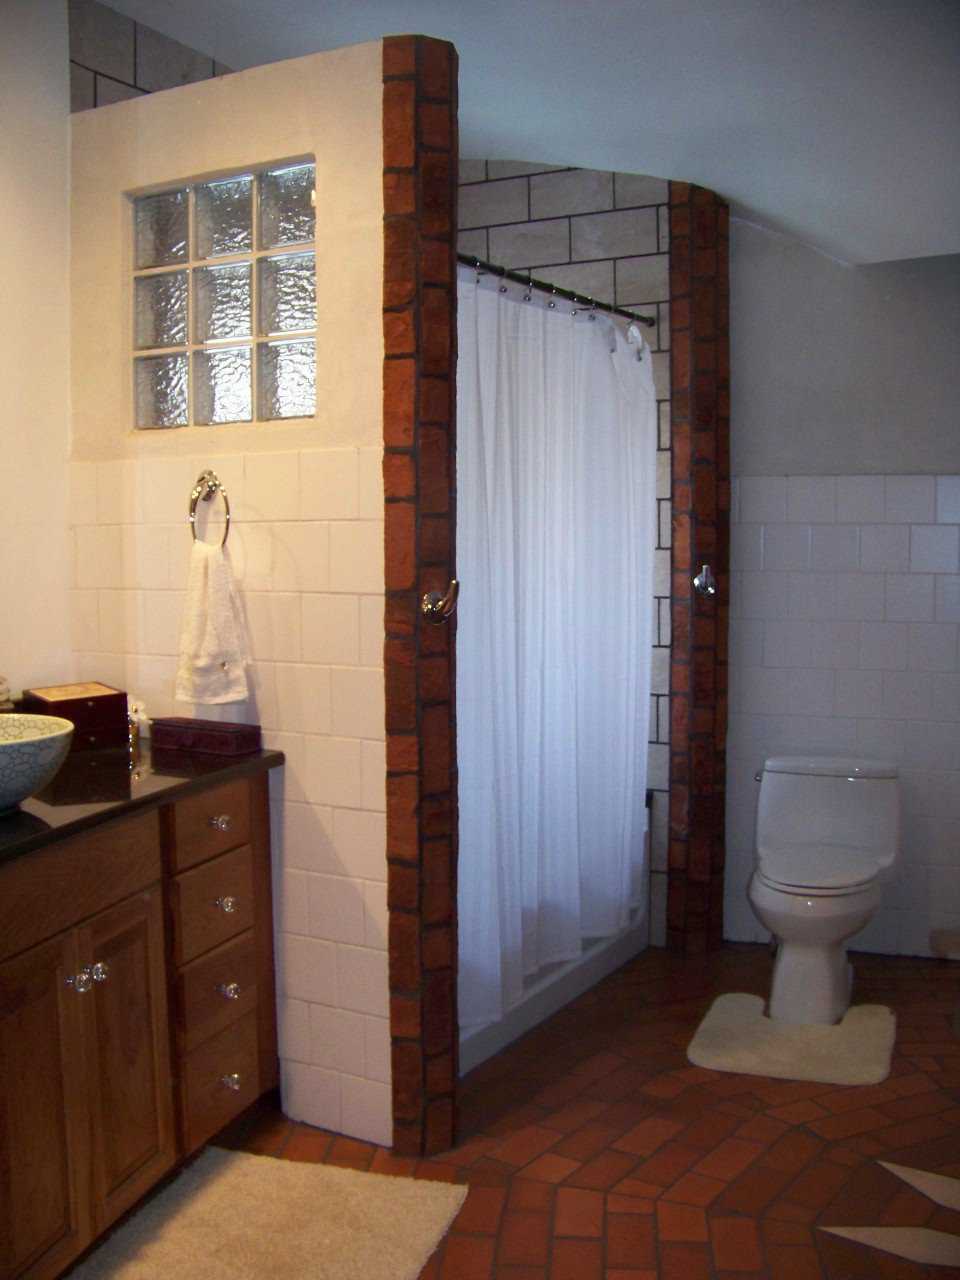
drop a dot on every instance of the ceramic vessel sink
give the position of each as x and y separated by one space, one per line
32 749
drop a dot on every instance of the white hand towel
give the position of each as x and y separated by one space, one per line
213 655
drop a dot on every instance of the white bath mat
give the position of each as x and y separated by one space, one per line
736 1036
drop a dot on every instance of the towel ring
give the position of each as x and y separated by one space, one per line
208 484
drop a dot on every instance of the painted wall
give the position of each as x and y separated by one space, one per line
306 541
845 551
604 235
34 343
841 370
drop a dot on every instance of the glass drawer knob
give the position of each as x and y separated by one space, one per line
220 822
229 990
231 1081
227 904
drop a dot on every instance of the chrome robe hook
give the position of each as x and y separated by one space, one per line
437 608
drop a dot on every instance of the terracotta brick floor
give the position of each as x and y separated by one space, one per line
594 1151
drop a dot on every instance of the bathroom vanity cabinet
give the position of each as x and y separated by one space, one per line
137 1010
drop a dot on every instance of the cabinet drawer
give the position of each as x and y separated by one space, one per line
220 1078
212 903
216 990
210 823
49 890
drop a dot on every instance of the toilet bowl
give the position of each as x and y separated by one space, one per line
827 838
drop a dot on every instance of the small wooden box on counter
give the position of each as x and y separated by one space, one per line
98 712
209 737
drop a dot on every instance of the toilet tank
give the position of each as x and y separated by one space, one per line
830 801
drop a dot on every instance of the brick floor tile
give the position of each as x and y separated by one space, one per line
666 1165
617 1273
604 1171
527 1193
394 1166
432 1269
797 1112
573 1115
710 1129
264 1133
466 1153
793 1262
488 1173
637 1189
524 1145
467 1258
481 1210
684 1262
728 1159
754 1190
817 1185
644 1138
735 1244
505 1271
631 1241
792 1152
576 1260
307 1144
907 1208
776 1232
854 1098
780 1092
597 1066
681 1222
524 1238
587 1141
918 1104
349 1153
579 1212
694 1188
550 1168
628 1204
663 1087
765 1129
848 1123
436 1171
911 1132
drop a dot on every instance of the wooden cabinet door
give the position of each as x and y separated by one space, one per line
44 1135
128 1053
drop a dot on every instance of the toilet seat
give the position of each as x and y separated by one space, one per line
816 870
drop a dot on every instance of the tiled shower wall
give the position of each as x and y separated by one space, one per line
113 58
605 235
845 605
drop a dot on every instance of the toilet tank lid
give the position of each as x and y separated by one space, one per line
831 766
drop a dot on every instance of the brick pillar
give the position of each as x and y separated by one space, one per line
700 414
419 386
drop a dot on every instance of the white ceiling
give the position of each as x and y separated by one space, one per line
835 121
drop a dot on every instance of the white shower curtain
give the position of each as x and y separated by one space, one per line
556 443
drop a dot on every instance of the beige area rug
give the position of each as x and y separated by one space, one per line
232 1216
736 1036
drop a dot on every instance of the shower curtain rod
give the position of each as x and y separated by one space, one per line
481 267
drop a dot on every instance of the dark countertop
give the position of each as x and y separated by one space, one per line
94 786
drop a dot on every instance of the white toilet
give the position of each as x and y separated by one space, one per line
828 835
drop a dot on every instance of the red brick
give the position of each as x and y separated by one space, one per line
398 124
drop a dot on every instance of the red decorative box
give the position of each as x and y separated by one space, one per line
98 712
208 737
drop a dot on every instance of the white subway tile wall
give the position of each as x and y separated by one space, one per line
845 605
605 235
306 546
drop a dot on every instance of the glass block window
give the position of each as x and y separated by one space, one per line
224 300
